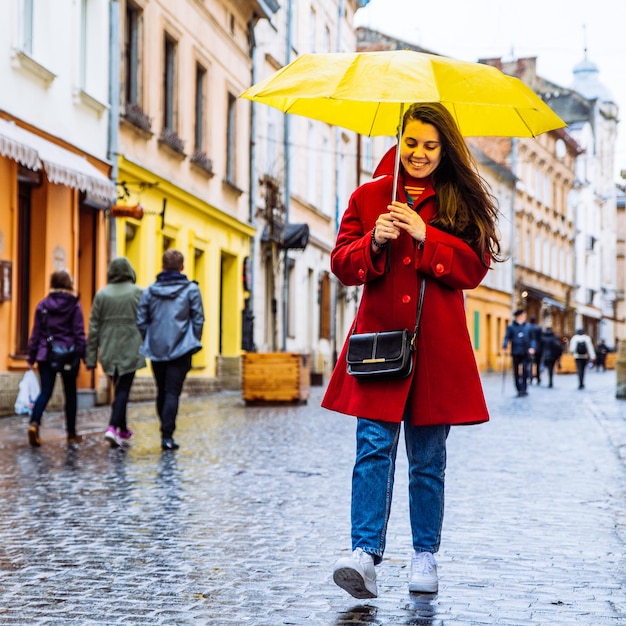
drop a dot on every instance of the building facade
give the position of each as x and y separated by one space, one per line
54 167
303 175
183 170
581 158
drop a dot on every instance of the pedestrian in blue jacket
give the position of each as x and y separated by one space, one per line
522 349
170 318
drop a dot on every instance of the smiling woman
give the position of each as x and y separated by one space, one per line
435 239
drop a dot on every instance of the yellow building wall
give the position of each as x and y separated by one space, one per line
213 243
488 313
8 229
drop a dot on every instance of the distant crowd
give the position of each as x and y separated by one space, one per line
535 351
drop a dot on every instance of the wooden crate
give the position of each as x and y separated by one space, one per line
275 377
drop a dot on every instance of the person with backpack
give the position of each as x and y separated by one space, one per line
581 347
552 348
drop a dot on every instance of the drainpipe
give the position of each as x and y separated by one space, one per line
252 172
287 152
334 303
114 109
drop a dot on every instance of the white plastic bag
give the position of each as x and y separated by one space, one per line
27 394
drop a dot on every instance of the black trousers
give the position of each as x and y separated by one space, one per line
170 377
581 366
48 377
122 384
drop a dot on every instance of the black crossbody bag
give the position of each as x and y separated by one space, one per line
384 355
60 358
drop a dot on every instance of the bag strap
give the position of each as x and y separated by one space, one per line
420 305
44 313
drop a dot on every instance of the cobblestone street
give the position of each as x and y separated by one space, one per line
243 524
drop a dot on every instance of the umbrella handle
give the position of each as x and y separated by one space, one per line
396 167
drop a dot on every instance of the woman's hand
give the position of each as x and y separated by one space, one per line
405 218
385 229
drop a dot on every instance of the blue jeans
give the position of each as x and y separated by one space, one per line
48 377
373 478
122 384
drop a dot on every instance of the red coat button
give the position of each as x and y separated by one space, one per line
406 260
406 298
439 268
361 274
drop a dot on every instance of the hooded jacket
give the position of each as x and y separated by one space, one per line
170 317
445 386
60 316
113 334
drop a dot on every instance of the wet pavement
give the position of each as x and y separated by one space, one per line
242 524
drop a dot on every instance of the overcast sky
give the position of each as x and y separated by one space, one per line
554 32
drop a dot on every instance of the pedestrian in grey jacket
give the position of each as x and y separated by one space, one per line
115 340
170 318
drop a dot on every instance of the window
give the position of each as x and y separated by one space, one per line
312 164
132 55
538 251
538 184
324 300
200 113
27 26
547 191
476 330
231 146
327 42
169 84
367 155
328 178
271 145
312 30
292 300
83 43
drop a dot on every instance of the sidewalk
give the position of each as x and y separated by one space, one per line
242 524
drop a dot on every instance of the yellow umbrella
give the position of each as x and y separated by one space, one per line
366 92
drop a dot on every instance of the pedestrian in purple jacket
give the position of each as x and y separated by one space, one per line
58 317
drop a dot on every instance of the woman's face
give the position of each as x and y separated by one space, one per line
420 149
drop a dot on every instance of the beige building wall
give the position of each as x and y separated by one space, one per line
545 229
184 142
313 168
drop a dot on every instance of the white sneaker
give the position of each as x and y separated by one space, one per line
112 437
356 574
424 577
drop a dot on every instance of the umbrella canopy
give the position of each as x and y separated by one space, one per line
366 92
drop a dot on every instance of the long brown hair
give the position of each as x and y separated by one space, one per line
466 207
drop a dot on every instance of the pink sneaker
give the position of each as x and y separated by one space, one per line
125 434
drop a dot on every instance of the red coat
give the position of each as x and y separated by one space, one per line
445 386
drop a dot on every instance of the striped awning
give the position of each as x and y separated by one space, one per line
62 167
